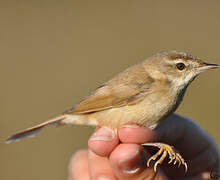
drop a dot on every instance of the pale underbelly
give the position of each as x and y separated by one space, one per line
145 113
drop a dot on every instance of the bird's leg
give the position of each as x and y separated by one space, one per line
164 150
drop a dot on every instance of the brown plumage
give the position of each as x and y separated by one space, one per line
142 94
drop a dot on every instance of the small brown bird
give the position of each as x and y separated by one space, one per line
144 94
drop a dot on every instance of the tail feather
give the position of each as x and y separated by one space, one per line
31 132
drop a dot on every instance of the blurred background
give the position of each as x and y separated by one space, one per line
53 53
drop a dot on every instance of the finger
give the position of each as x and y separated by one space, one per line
78 166
103 141
128 162
100 168
135 134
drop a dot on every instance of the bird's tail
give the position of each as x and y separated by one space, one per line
60 120
31 132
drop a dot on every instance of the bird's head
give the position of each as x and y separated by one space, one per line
179 68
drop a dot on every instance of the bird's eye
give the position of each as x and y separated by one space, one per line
180 66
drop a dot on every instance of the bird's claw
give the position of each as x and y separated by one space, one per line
164 150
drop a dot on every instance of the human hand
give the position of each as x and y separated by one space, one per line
121 156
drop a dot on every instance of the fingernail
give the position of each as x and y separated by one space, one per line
130 126
103 134
103 178
206 175
130 164
131 171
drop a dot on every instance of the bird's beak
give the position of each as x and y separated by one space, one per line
207 66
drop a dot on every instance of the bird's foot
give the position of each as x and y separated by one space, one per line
164 150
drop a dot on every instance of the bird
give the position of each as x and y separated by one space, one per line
144 94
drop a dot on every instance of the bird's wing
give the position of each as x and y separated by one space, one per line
128 88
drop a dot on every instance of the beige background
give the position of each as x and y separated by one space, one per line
53 53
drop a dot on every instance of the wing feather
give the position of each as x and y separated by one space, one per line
128 88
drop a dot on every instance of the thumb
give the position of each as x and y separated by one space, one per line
128 162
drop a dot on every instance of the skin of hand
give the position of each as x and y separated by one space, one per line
121 156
